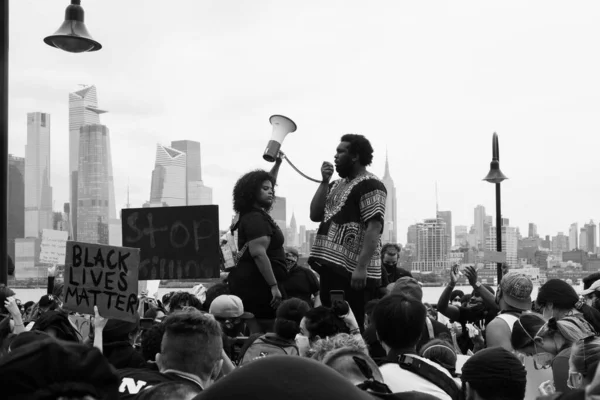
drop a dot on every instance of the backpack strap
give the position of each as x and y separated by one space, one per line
432 374
430 328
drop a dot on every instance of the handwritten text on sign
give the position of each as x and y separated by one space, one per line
53 247
104 276
175 242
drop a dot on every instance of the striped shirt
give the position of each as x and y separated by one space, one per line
349 207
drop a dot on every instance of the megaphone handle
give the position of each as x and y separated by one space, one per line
300 172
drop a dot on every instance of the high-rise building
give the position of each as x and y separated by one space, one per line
279 214
532 230
480 225
447 217
461 236
432 246
293 232
411 236
573 236
591 240
509 244
16 202
94 193
560 244
197 193
390 228
302 236
168 178
583 239
83 110
38 192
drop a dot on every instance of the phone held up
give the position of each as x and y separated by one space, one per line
338 302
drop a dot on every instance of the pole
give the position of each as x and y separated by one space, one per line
498 231
4 147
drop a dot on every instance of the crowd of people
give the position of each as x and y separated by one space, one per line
350 325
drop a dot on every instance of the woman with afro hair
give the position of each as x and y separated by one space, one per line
261 268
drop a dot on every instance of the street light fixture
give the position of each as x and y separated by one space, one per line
73 36
496 176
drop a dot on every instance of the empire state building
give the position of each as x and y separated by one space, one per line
390 229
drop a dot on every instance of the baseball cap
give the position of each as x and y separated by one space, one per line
595 287
229 306
516 290
409 287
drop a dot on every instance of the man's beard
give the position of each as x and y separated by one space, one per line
343 170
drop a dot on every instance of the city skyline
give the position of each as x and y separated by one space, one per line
417 103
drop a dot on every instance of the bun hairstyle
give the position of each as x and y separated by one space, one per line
288 317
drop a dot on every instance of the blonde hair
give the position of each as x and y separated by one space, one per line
566 331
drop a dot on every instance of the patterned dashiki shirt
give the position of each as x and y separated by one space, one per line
350 205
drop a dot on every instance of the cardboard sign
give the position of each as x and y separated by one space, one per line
494 256
53 247
174 242
105 276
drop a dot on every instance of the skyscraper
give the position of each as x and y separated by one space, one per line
573 233
532 230
560 244
94 192
168 178
293 232
432 246
447 217
411 235
583 239
38 192
279 214
196 192
390 229
83 110
16 201
461 236
480 225
509 244
591 236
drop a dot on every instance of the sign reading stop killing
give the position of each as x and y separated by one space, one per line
103 276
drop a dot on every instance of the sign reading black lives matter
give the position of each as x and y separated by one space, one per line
105 276
174 242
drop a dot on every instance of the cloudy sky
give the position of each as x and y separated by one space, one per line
428 81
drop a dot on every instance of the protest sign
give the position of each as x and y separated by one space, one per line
174 242
103 276
53 247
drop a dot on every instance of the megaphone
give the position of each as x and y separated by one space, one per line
281 127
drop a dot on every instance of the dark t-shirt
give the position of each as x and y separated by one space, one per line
301 283
350 206
245 280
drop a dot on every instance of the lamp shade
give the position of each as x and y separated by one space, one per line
73 36
495 175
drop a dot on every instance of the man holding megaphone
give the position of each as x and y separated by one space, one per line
351 210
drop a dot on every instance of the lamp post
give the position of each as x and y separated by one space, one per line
73 37
496 176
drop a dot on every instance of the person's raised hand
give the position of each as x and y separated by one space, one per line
99 321
11 305
471 274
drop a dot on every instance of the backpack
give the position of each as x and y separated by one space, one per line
269 345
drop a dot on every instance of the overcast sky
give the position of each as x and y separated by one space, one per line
430 81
